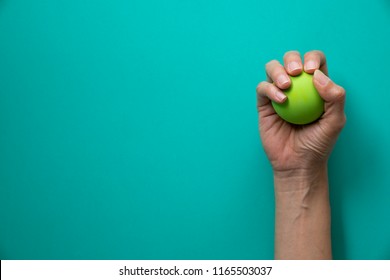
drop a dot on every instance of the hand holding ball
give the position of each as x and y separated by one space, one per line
303 104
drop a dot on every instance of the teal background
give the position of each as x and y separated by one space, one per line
128 129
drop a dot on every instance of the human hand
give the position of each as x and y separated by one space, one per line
299 149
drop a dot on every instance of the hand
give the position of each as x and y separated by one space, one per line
299 149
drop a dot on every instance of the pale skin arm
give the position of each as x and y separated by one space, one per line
302 224
299 157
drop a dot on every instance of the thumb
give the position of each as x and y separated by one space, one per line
334 96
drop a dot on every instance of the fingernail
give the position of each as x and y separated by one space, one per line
311 65
321 78
282 80
280 96
293 66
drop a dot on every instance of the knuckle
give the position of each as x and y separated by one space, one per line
307 54
335 90
315 53
341 90
290 54
271 63
260 87
341 122
345 119
340 93
338 122
318 52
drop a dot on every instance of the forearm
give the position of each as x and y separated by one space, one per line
302 224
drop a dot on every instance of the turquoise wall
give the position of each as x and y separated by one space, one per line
128 129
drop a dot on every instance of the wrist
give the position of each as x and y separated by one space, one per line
303 178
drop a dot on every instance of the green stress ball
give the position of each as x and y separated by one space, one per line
303 104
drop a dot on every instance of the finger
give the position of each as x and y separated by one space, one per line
315 60
334 95
266 92
293 63
276 73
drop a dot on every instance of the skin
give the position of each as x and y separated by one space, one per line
299 157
